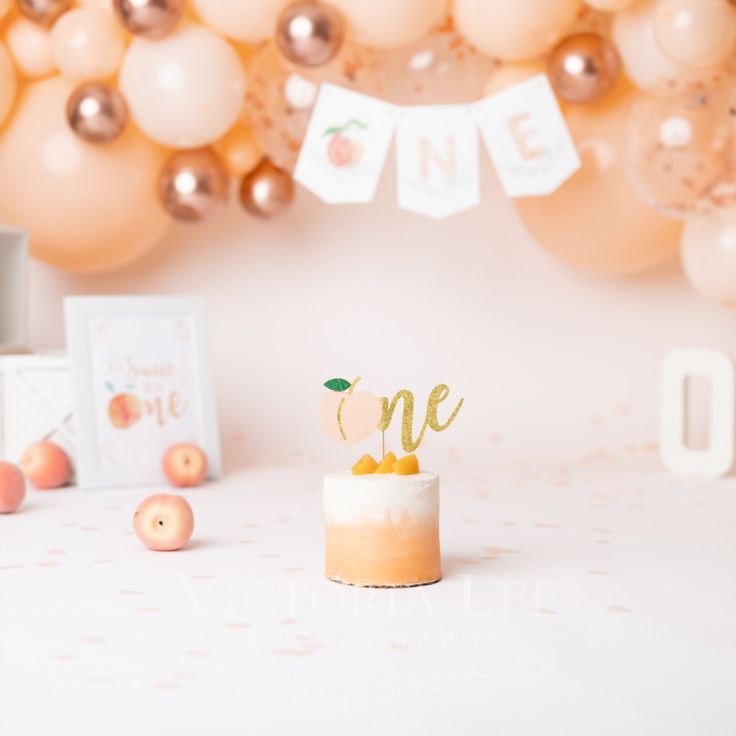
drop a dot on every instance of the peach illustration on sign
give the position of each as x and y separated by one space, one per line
349 415
343 149
125 409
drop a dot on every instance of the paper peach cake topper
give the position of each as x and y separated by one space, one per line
351 416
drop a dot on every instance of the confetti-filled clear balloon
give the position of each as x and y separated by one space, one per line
280 96
267 191
309 33
149 18
440 68
193 185
680 147
97 112
43 12
583 68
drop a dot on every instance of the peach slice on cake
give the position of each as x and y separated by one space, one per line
365 466
408 465
386 465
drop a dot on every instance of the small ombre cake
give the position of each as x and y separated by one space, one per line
382 530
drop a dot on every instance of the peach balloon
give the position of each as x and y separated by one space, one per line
633 33
30 47
12 488
87 44
595 220
512 30
239 150
390 23
610 6
510 74
45 466
184 90
185 465
164 522
8 83
695 33
709 256
244 20
88 208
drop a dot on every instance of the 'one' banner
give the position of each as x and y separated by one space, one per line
437 159
345 145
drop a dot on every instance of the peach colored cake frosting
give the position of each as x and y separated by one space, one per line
382 530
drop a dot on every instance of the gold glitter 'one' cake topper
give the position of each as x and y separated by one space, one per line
350 416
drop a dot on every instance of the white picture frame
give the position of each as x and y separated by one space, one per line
142 381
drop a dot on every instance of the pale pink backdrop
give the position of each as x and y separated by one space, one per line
553 364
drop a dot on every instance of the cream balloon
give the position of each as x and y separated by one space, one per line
8 83
184 90
88 208
610 6
695 33
512 30
390 23
30 47
244 20
633 33
87 44
708 255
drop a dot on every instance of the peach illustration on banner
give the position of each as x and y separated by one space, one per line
343 149
348 415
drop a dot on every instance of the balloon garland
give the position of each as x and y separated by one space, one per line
119 116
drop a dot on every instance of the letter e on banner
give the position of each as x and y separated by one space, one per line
527 138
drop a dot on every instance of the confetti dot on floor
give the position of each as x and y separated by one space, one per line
284 520
95 680
293 652
468 561
547 611
182 674
63 657
203 577
508 523
92 639
89 528
237 625
129 592
48 563
11 567
249 526
271 555
246 541
618 609
603 541
56 552
147 609
199 653
546 525
598 572
287 621
166 685
501 551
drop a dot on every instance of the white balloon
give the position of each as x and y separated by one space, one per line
633 32
184 90
87 44
244 20
30 47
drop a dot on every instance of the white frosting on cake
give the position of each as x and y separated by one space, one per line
351 499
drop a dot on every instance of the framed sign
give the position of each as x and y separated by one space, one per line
142 382
13 290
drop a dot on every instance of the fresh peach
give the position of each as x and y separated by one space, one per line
164 522
12 488
124 410
46 465
185 465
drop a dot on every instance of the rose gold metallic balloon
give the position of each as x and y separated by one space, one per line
583 68
193 185
309 34
43 12
149 18
97 112
267 191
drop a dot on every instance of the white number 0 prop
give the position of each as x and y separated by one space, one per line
718 458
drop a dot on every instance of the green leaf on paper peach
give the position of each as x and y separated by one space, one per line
354 122
109 387
337 384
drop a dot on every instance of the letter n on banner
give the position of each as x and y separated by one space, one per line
527 138
345 145
437 159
